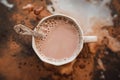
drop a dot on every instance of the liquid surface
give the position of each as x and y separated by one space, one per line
61 39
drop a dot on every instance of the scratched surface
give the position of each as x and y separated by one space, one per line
18 61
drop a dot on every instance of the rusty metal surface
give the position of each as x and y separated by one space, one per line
18 61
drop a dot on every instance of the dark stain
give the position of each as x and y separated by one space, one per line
113 9
116 22
97 75
66 75
25 43
27 52
112 74
2 77
19 67
91 73
53 9
82 66
20 63
14 55
38 17
33 22
62 76
111 62
24 63
38 67
5 25
48 2
46 78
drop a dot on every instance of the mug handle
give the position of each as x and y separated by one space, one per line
87 39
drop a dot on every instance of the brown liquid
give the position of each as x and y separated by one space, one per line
61 40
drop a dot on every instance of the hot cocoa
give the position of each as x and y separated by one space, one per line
61 38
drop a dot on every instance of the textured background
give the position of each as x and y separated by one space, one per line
18 61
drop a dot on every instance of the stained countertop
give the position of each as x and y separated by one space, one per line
18 60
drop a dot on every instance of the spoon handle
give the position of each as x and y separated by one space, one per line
23 30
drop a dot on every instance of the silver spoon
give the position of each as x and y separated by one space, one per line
23 30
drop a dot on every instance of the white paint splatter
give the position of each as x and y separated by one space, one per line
86 12
91 14
5 3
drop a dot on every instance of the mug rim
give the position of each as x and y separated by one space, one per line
63 61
